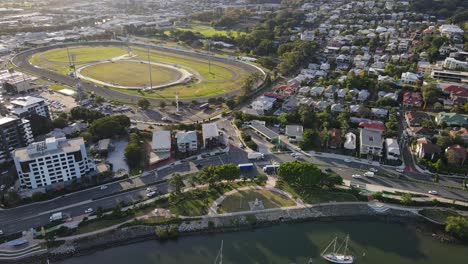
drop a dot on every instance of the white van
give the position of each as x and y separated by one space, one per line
369 174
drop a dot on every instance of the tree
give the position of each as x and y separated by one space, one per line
209 176
59 122
228 172
406 198
331 180
457 225
301 174
177 182
109 126
162 104
135 151
310 140
452 158
143 103
439 165
99 212
40 125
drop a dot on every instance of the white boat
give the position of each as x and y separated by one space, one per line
335 256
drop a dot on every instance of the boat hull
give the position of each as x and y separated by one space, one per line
341 259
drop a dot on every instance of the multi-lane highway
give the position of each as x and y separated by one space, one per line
37 214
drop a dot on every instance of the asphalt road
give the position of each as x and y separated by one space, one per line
37 214
22 61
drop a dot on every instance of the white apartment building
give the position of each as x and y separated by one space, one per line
371 142
24 107
52 161
187 141
14 133
161 141
454 64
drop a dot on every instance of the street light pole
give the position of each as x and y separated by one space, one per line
150 74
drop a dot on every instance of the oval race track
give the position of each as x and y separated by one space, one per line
21 60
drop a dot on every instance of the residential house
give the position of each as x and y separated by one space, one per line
187 141
161 141
317 91
335 138
416 118
392 149
294 132
363 95
263 104
350 141
451 119
410 78
330 91
342 93
461 132
304 90
371 141
337 108
426 149
211 136
354 108
412 99
379 112
290 105
321 105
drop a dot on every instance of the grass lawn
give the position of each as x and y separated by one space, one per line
127 73
438 214
100 224
207 31
222 77
312 196
197 203
239 201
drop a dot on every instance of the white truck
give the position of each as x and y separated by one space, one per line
56 217
255 156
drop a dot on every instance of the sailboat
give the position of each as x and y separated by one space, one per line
335 256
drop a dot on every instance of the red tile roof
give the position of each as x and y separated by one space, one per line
372 125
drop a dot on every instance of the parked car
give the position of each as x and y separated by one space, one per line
369 174
432 192
399 170
356 176
103 187
88 211
373 170
150 194
347 160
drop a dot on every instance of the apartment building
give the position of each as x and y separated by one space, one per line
187 141
53 161
24 107
14 133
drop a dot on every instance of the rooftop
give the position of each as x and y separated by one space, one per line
210 130
161 139
48 147
26 101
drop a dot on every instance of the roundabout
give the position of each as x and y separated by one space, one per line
133 74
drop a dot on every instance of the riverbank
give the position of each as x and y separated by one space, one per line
356 211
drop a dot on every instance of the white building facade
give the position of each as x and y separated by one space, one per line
55 160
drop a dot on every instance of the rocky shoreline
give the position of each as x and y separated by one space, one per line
236 222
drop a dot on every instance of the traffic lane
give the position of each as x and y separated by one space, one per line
347 169
18 225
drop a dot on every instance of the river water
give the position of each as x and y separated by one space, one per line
370 242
